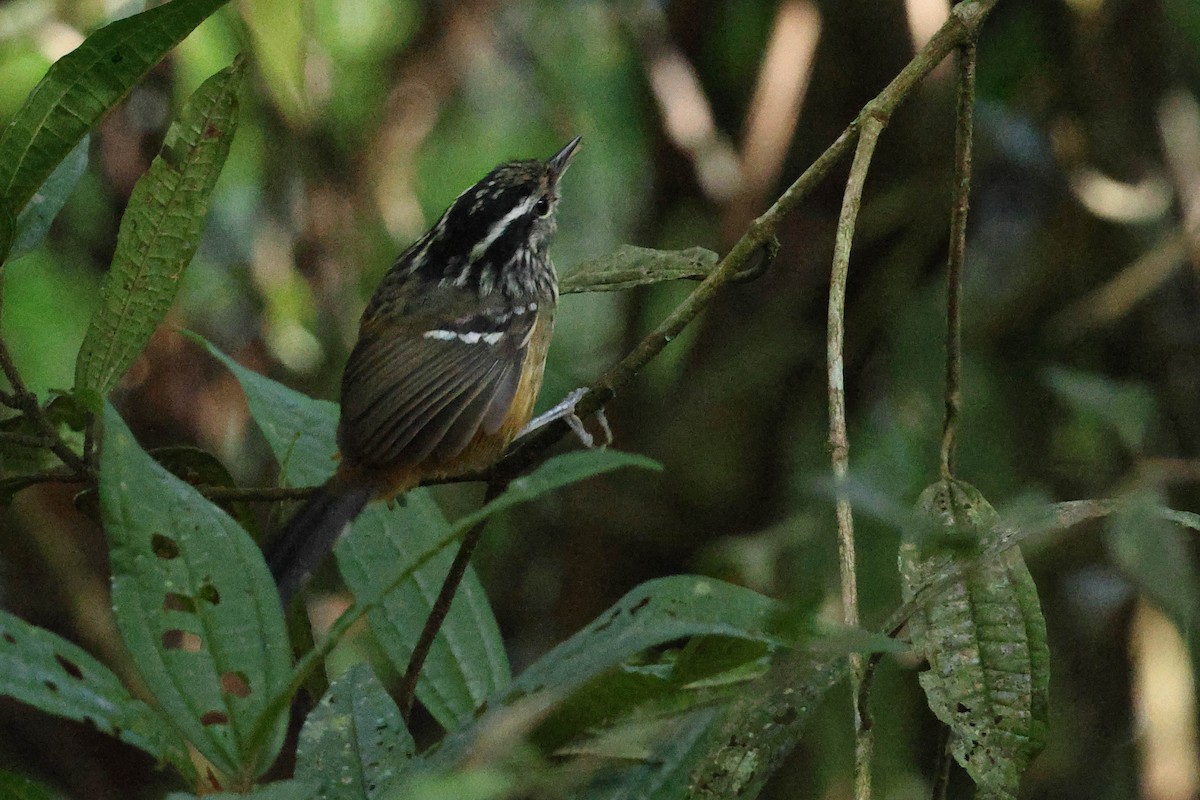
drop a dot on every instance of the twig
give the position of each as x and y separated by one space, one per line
441 605
962 25
25 439
27 402
256 494
839 442
964 134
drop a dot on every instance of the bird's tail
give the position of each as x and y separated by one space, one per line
310 533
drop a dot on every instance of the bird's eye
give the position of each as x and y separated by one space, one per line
542 209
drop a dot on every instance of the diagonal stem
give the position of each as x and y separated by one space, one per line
441 605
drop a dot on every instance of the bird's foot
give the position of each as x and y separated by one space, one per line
565 410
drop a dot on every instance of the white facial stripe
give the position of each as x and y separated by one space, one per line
467 337
501 226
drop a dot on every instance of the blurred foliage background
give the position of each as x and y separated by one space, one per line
362 120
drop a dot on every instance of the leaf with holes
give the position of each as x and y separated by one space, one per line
638 266
81 87
160 232
467 662
354 744
34 220
984 638
194 604
49 673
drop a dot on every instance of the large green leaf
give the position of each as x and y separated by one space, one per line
467 662
984 638
280 790
81 87
354 744
34 220
194 603
160 232
658 611
50 673
8 230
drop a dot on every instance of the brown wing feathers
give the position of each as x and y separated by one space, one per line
408 398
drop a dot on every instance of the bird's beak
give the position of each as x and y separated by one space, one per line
559 162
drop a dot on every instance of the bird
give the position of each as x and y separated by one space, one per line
449 359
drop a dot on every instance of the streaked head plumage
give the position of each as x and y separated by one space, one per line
495 233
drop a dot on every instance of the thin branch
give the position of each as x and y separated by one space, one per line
964 135
27 402
962 25
25 440
441 606
257 494
839 442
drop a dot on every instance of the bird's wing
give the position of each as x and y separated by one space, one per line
427 392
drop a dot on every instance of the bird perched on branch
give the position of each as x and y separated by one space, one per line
449 359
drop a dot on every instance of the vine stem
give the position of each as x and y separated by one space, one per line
872 126
964 130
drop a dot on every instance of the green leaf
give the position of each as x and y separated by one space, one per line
660 684
659 755
656 612
1127 408
194 603
82 86
985 640
752 739
34 220
470 783
638 266
8 229
160 232
49 673
354 744
18 787
467 662
555 473
280 790
1156 555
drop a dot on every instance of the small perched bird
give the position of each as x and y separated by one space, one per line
449 359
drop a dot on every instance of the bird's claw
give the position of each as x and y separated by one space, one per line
565 410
